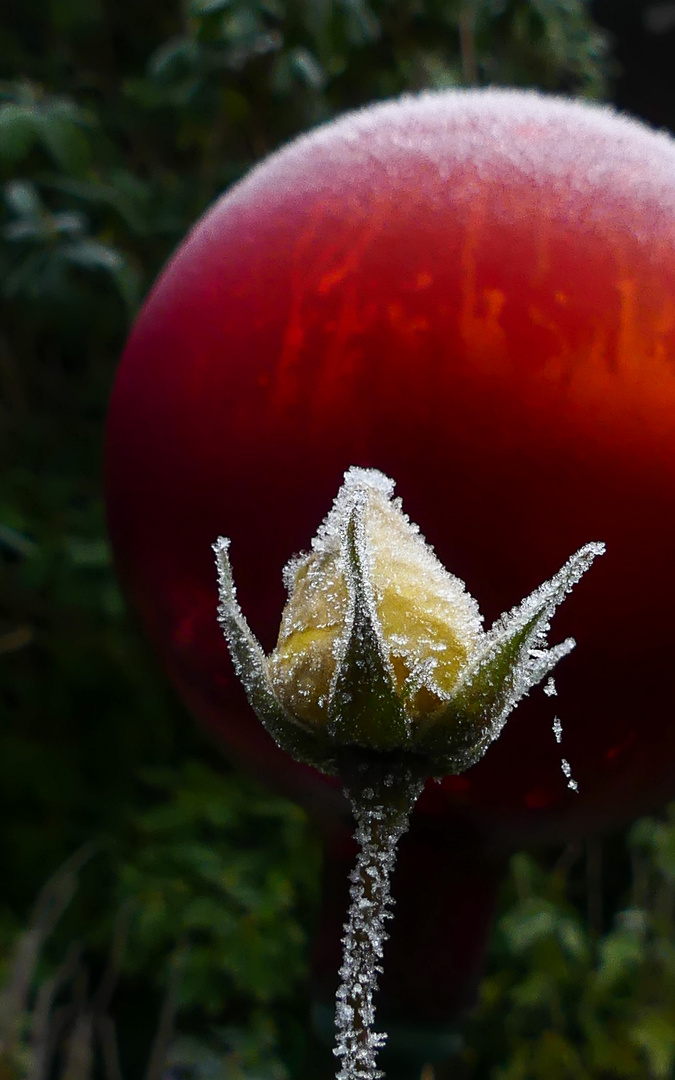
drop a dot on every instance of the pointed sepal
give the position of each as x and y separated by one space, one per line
305 744
363 707
513 659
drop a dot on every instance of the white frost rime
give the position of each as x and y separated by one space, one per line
550 687
564 763
567 769
378 829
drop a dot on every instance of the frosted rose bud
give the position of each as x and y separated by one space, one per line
426 623
381 648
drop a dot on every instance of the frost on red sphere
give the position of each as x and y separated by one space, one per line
474 292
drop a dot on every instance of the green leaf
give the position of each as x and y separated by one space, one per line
93 255
63 140
17 133
621 953
22 198
93 554
208 7
654 1034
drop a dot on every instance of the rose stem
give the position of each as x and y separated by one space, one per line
381 800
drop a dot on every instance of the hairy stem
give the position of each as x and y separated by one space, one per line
381 802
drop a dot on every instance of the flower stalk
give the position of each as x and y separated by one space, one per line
382 798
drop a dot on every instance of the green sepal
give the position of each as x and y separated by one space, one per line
513 660
363 708
305 744
456 736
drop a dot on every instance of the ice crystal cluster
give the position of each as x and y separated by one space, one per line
382 649
379 827
583 163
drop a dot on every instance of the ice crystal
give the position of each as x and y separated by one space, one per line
567 770
550 687
586 163
564 763
379 827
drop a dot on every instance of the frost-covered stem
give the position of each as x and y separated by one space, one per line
381 803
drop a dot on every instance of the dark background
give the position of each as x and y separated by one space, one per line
181 912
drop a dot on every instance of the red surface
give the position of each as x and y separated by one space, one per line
475 293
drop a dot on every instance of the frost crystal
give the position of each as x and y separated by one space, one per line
587 163
564 764
567 769
550 688
379 826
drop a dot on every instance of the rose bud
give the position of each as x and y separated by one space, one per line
382 649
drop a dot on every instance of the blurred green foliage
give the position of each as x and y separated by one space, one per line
185 914
563 1002
198 909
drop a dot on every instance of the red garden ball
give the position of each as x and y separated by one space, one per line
473 291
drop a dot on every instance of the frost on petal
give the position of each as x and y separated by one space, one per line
315 620
302 665
512 659
425 621
429 622
251 666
